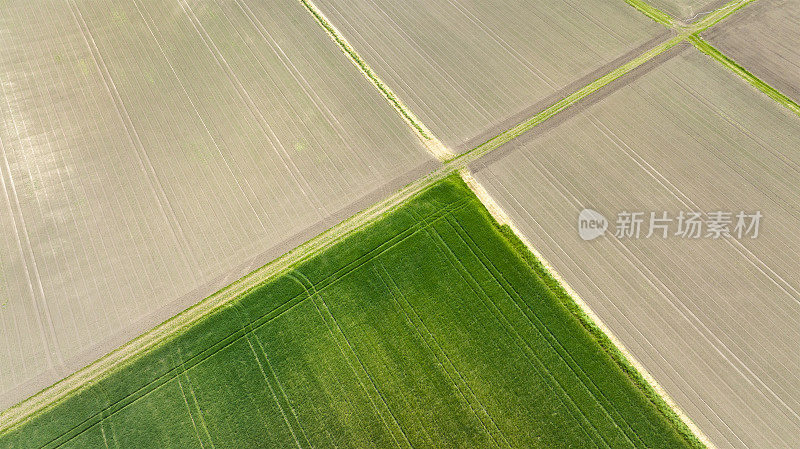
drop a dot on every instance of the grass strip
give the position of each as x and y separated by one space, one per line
602 339
366 70
716 16
567 101
121 357
708 21
652 12
773 93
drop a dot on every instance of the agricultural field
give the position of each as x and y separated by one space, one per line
471 69
715 321
433 327
152 153
765 40
685 9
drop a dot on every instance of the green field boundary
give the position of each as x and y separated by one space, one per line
605 342
654 13
717 16
711 19
490 227
366 70
521 128
692 34
770 91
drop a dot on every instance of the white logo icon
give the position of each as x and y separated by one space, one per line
591 224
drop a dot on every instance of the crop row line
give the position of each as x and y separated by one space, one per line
544 331
356 365
567 401
435 348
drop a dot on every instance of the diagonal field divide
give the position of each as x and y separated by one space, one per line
683 32
699 43
123 355
505 255
743 73
433 144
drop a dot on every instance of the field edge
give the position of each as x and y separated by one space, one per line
51 396
709 50
602 339
635 372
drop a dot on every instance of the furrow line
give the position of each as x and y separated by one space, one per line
430 343
350 355
543 330
530 354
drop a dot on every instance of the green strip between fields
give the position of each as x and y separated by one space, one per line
602 339
567 101
707 22
365 69
773 93
653 13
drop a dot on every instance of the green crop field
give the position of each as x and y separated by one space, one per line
432 327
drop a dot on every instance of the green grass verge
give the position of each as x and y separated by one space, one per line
710 50
566 102
429 328
717 15
602 339
706 22
653 13
362 65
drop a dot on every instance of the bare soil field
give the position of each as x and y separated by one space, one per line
714 320
464 68
683 9
764 38
152 153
